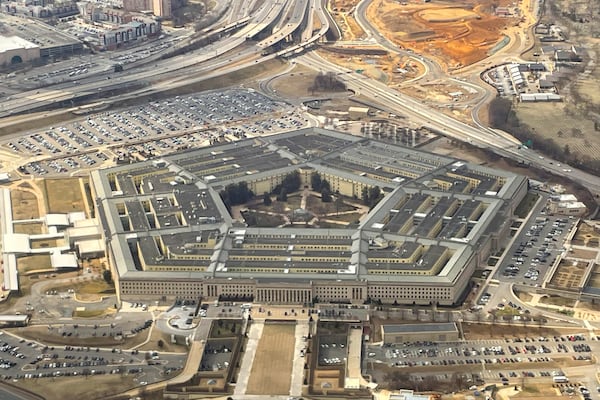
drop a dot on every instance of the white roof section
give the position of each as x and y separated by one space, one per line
16 243
75 217
567 197
93 246
84 232
571 204
9 43
11 280
14 318
85 222
408 395
358 109
66 260
57 219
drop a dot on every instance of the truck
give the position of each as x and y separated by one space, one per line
560 379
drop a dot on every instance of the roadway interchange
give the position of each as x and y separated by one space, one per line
283 18
210 58
498 141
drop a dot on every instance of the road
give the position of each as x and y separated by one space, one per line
500 142
173 73
13 393
432 69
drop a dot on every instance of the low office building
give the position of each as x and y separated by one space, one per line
170 234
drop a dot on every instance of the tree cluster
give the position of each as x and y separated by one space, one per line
107 275
327 82
371 196
236 193
291 183
502 116
322 186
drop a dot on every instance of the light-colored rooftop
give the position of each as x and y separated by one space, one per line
8 43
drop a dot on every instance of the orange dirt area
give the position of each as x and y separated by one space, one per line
456 34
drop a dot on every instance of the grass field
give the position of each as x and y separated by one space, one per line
33 263
41 333
32 228
272 367
63 195
550 121
24 204
526 205
88 290
96 387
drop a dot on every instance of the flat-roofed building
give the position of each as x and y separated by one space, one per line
438 332
15 50
169 233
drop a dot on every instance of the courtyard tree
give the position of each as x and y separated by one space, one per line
291 183
236 193
107 275
371 196
325 196
315 181
282 196
267 199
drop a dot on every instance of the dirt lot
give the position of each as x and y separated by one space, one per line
456 34
393 70
63 195
272 366
36 262
351 30
97 387
24 202
33 228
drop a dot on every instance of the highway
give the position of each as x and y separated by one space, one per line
501 142
212 61
149 74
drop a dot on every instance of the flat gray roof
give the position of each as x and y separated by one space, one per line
420 328
167 210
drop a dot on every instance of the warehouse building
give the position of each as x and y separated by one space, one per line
14 50
35 41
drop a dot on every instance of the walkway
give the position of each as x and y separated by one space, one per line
253 338
298 362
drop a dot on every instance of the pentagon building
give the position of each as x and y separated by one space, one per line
170 235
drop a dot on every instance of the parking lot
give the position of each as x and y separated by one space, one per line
534 250
492 359
22 359
154 129
333 350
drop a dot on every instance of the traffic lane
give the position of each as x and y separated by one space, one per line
11 393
